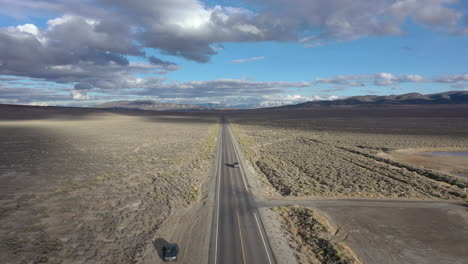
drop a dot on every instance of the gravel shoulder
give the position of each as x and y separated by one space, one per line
278 241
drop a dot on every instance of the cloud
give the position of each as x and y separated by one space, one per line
194 30
411 78
453 78
387 79
228 92
458 81
156 61
74 49
214 88
246 60
21 95
385 76
378 79
279 100
383 82
79 95
232 92
384 79
346 80
83 86
460 86
346 20
87 44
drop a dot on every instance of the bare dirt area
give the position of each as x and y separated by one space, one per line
315 155
403 234
96 187
448 162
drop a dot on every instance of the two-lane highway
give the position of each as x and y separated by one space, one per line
238 235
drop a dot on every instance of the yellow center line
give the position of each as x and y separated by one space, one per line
242 243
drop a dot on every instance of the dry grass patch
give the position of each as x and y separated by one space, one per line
313 237
311 157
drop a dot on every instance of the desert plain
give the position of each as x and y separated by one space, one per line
376 176
80 186
335 184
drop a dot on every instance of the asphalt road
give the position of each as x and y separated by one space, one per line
237 235
377 203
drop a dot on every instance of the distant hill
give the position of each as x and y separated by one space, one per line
151 105
453 97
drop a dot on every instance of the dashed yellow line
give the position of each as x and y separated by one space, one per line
242 242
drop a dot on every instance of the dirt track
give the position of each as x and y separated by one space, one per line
396 231
404 235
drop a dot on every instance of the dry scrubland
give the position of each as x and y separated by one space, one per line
337 152
313 237
357 152
95 188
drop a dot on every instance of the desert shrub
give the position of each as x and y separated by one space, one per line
98 179
313 158
312 234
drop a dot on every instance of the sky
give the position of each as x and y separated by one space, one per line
226 53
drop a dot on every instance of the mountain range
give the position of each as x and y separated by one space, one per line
452 97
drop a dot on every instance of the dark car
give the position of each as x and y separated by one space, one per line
170 252
235 165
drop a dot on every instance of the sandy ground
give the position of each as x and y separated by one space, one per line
394 231
404 235
98 188
455 165
189 228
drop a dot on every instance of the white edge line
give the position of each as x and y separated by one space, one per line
238 158
255 215
263 239
217 195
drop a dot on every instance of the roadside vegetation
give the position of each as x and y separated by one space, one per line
312 157
352 153
97 186
314 239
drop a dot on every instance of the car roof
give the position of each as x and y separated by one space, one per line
171 246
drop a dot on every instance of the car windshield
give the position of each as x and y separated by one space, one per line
171 250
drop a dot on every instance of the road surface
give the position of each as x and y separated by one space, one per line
237 235
381 203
